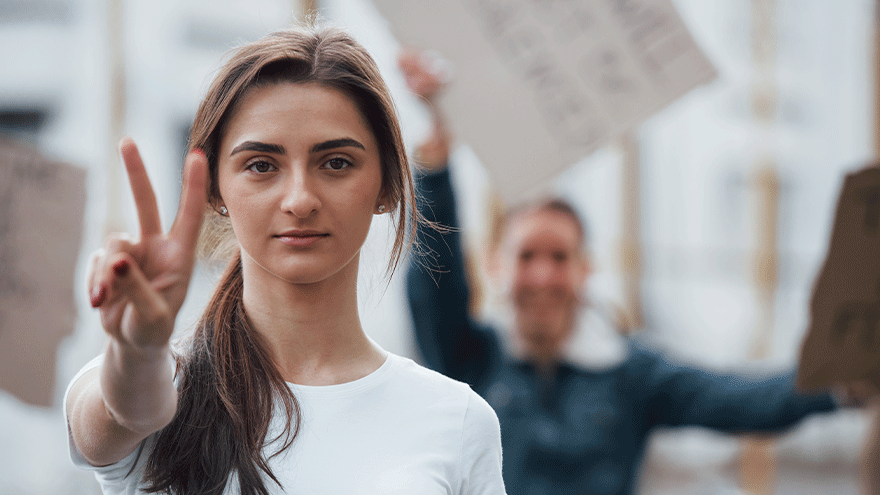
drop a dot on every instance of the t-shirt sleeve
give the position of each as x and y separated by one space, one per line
480 461
106 475
75 455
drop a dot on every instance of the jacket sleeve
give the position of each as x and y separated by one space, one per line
678 395
449 339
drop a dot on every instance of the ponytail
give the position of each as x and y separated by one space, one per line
228 388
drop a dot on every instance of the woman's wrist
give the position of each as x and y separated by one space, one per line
137 385
138 366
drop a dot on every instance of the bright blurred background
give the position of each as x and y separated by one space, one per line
679 210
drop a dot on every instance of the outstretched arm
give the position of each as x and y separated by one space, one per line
678 395
139 286
450 341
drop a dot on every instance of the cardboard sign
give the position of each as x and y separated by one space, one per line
539 84
843 343
41 220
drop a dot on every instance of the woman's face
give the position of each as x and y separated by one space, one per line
300 175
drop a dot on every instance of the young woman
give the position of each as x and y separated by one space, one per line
295 148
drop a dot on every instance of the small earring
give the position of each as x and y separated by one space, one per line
223 211
381 208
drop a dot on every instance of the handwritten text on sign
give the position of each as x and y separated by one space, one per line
541 83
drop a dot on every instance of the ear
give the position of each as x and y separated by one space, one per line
383 203
216 203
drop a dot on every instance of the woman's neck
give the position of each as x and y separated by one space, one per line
313 330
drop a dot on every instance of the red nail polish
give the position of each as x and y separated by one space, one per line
98 295
120 268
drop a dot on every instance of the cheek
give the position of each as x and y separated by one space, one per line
356 207
568 282
566 275
577 274
359 227
360 202
517 274
361 191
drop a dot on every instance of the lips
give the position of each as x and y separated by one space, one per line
302 238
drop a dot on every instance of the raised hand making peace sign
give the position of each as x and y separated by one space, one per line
140 284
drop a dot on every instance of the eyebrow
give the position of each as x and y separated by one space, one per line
279 150
259 147
336 143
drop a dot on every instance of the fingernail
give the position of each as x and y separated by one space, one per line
122 142
120 268
198 151
99 293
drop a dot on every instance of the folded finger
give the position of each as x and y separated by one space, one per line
102 289
150 319
92 277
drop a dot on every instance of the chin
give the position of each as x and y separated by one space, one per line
307 276
542 323
303 279
304 273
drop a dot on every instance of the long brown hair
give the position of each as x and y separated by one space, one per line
229 385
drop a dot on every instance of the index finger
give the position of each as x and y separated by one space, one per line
141 189
193 198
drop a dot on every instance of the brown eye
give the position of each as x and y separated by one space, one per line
261 167
337 163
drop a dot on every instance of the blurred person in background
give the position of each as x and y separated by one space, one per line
565 428
293 151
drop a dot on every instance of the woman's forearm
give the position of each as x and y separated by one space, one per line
138 386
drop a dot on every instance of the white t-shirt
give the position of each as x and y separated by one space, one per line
402 429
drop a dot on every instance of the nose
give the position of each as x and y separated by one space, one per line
300 193
541 272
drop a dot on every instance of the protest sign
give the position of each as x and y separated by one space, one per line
843 344
41 220
539 84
